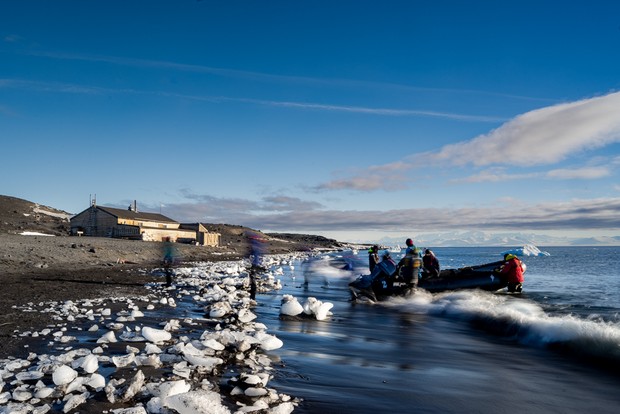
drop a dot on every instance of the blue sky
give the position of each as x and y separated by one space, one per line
350 119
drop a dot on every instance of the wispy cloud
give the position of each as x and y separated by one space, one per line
493 176
12 38
201 207
244 74
388 111
58 87
498 174
364 183
580 214
285 203
586 173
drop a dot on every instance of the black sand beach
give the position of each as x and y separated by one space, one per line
35 268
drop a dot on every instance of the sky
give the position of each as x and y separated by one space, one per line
349 119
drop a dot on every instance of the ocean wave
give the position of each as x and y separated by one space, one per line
521 320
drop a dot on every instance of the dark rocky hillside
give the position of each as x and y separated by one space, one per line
18 216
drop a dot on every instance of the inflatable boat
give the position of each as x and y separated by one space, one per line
382 282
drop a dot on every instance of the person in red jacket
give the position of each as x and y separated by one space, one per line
513 271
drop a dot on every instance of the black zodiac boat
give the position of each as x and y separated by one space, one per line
382 282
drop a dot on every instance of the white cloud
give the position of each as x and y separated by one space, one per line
586 173
293 214
573 215
498 174
363 183
493 175
543 136
540 137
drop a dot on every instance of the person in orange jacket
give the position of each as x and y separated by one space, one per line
512 270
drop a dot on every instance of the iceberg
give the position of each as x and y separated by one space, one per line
527 250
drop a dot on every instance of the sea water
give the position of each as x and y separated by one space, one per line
554 348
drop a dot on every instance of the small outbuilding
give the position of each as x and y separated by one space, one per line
98 221
203 235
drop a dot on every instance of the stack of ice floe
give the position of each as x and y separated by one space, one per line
312 307
157 369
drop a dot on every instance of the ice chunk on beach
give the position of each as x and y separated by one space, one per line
255 392
123 360
290 306
155 335
323 311
169 388
284 408
203 361
268 342
213 344
320 310
246 315
197 402
74 401
150 349
29 375
132 410
44 392
21 395
107 337
90 364
96 381
64 375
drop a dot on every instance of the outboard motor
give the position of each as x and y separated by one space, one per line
379 283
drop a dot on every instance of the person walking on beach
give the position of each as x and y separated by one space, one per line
373 257
512 270
168 260
256 251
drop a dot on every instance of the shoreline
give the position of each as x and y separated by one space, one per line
208 295
37 269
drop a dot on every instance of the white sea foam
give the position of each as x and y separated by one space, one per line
522 319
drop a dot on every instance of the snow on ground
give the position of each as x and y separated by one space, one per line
38 209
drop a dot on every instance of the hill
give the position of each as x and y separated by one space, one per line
38 268
18 216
